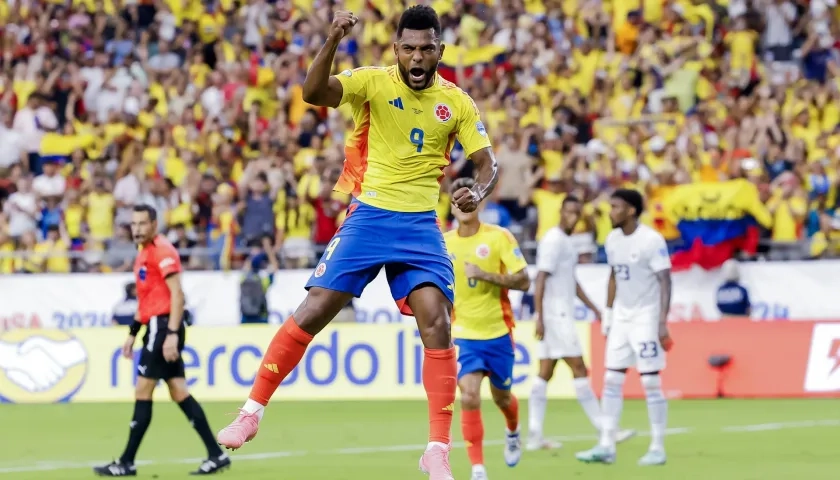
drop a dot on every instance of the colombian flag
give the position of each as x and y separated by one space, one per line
490 56
715 220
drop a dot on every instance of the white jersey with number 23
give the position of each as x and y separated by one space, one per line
635 260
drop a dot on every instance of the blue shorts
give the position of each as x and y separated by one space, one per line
409 245
493 357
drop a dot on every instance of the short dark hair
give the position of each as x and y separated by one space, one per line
461 183
419 17
150 211
632 198
570 199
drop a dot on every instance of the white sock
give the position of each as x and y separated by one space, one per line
657 410
478 468
436 444
255 407
612 403
587 399
536 407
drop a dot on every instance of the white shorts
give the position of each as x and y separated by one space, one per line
635 344
560 339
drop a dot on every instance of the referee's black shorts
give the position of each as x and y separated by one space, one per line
152 364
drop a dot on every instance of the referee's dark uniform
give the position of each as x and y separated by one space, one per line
157 261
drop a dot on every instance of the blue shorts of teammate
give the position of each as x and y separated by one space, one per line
409 245
493 357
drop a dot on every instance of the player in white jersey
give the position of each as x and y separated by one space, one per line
554 301
638 299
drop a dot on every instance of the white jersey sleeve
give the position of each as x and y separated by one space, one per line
557 256
635 260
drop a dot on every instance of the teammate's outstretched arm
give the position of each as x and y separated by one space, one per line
513 281
319 88
486 177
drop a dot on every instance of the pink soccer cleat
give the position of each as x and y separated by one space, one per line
435 463
240 431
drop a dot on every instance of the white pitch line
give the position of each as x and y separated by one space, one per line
44 466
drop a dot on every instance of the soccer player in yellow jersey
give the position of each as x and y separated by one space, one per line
487 263
406 120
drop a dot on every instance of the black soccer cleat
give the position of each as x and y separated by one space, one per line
213 465
116 469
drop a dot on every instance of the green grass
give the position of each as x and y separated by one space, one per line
319 434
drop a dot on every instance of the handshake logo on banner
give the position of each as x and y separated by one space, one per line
40 366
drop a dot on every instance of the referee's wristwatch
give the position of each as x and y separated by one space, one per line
169 331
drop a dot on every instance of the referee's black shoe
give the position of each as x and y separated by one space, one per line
116 469
213 465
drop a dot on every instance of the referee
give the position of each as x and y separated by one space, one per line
157 272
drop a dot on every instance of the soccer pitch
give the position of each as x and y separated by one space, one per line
721 440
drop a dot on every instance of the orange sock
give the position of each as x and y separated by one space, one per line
511 413
283 354
440 370
473 430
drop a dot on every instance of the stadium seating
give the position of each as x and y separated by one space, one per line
191 106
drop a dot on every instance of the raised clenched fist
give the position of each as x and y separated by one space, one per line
342 24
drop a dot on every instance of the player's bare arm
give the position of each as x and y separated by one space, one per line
664 279
513 281
606 317
581 294
319 88
539 295
176 313
486 177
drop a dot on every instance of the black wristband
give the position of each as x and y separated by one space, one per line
169 331
134 328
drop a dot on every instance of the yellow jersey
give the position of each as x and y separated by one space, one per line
402 138
482 310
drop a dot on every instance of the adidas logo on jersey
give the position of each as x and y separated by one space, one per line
397 102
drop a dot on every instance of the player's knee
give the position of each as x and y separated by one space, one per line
502 398
178 394
144 389
578 367
470 399
614 379
546 375
651 382
435 330
319 308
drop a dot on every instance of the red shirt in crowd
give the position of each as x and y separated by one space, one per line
154 263
326 212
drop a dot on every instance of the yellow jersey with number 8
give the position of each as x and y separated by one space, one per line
402 138
482 310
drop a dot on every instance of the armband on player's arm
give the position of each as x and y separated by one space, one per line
134 328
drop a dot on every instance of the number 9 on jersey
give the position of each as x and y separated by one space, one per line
416 137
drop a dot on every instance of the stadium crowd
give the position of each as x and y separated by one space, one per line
196 107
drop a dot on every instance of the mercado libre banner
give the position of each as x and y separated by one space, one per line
765 360
344 362
789 290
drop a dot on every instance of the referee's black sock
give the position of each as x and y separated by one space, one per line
195 414
138 426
